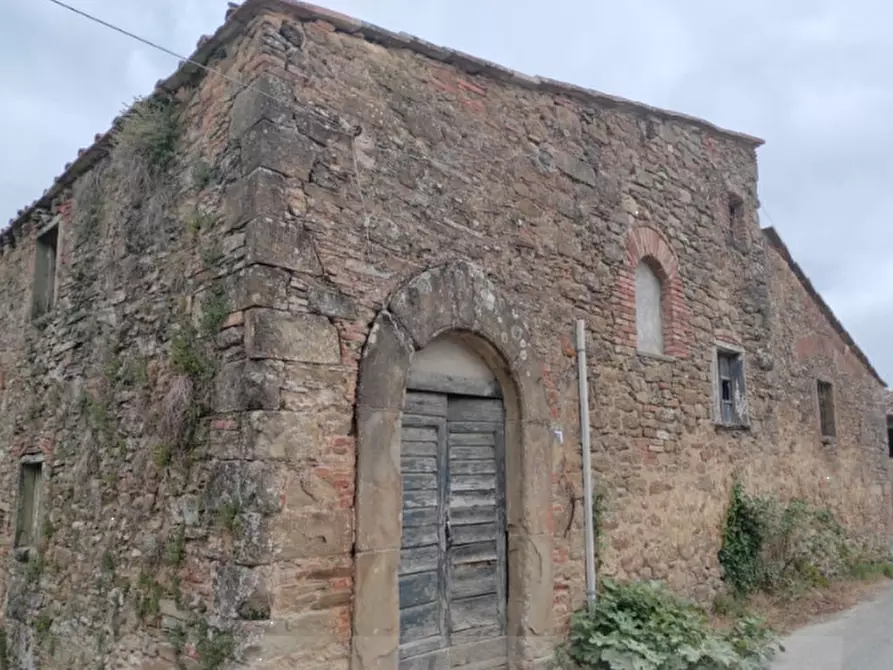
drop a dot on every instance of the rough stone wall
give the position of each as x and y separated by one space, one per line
848 473
136 564
377 165
544 193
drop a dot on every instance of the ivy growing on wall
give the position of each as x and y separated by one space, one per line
771 546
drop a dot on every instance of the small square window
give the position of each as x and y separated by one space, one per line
731 395
826 409
45 272
30 489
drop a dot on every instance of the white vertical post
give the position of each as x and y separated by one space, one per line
588 530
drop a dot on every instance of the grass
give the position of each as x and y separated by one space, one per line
202 175
229 517
793 608
149 133
175 549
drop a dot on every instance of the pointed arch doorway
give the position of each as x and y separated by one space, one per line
452 579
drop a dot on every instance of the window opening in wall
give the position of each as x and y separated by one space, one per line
736 211
45 272
30 481
826 409
649 318
732 399
890 436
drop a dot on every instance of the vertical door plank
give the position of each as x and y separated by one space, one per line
422 589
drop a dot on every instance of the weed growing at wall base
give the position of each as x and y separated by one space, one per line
642 626
776 547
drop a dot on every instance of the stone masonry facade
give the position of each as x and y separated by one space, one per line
206 389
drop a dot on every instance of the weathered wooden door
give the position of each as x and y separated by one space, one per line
452 575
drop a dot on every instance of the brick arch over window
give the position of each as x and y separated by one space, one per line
456 297
645 244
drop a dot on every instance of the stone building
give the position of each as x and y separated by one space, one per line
288 371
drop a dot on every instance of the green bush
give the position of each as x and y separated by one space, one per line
771 546
743 536
642 626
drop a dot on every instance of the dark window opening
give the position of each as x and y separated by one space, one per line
890 440
30 479
732 395
826 409
736 211
45 272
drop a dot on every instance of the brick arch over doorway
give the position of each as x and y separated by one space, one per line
456 297
646 244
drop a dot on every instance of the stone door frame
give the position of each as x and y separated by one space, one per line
458 298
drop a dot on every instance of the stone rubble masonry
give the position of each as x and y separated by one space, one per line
370 191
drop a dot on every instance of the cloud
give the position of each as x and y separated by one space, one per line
809 77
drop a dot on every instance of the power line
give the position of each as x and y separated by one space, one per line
328 122
164 49
768 215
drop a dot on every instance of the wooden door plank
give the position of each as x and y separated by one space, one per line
428 654
422 597
480 654
479 483
475 453
460 428
476 507
411 433
473 553
420 481
475 409
454 385
476 579
479 467
409 464
422 621
419 559
472 635
429 404
418 589
464 499
419 536
420 516
471 438
502 534
473 514
423 498
470 534
478 612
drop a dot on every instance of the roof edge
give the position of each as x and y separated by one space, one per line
776 242
238 17
87 158
473 65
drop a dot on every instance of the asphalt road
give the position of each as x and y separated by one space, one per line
858 639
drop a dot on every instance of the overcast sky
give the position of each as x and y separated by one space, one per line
809 76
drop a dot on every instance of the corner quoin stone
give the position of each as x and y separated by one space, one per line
265 98
281 243
278 148
261 194
303 338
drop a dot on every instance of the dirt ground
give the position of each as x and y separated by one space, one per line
788 612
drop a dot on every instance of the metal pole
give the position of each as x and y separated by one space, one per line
588 531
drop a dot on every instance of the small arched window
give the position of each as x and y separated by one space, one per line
649 314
